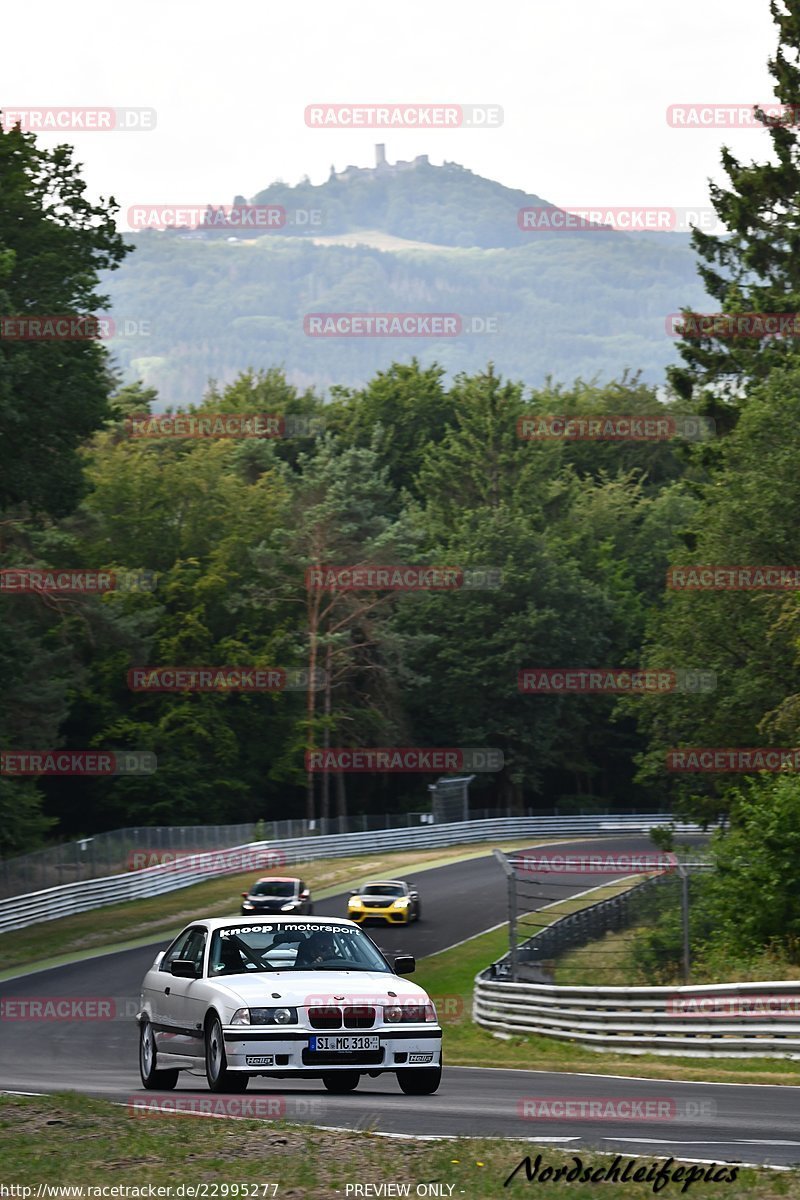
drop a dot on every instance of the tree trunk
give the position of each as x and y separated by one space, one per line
326 737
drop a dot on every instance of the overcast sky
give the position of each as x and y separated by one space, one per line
584 89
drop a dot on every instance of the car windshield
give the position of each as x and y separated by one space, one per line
383 889
273 887
291 946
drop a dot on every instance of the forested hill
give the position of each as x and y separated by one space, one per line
447 205
208 304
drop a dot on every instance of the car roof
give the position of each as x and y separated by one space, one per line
212 923
278 879
373 882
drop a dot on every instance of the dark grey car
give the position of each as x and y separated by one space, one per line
274 894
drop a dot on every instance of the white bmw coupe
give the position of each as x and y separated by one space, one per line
307 997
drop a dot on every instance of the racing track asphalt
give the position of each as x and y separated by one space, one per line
725 1123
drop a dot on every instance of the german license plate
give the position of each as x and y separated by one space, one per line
344 1044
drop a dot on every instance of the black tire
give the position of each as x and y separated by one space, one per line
220 1079
153 1078
418 917
419 1081
340 1082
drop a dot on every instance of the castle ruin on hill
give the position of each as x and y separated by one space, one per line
382 167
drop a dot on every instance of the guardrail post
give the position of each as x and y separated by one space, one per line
684 874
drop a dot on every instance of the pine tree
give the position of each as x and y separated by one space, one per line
757 268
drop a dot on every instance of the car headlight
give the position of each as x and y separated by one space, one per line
287 907
247 904
264 1016
401 903
355 902
408 1012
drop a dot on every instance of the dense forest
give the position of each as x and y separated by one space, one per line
420 464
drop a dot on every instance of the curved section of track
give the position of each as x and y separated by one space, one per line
701 1121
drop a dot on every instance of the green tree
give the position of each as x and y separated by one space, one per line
749 639
757 267
53 393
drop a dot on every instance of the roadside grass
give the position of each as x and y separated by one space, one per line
139 921
605 960
449 978
68 1140
608 960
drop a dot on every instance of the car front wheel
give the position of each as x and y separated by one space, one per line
341 1081
220 1079
419 1081
152 1077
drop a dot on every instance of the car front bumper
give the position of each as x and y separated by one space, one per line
279 1052
395 916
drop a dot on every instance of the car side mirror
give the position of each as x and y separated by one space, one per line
184 968
245 895
353 892
405 964
304 894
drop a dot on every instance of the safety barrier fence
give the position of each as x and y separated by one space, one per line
725 1020
729 1020
191 867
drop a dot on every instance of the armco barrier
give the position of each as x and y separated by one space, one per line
650 1020
68 899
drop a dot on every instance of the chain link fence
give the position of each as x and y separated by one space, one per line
540 937
121 850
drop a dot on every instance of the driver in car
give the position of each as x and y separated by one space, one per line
317 948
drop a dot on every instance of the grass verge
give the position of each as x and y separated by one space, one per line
72 1140
140 921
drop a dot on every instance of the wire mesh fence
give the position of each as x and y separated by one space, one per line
632 929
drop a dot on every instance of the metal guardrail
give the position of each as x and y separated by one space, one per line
68 899
115 851
111 852
723 1020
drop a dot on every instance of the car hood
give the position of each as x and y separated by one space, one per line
301 988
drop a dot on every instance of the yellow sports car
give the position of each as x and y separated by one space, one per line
384 900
